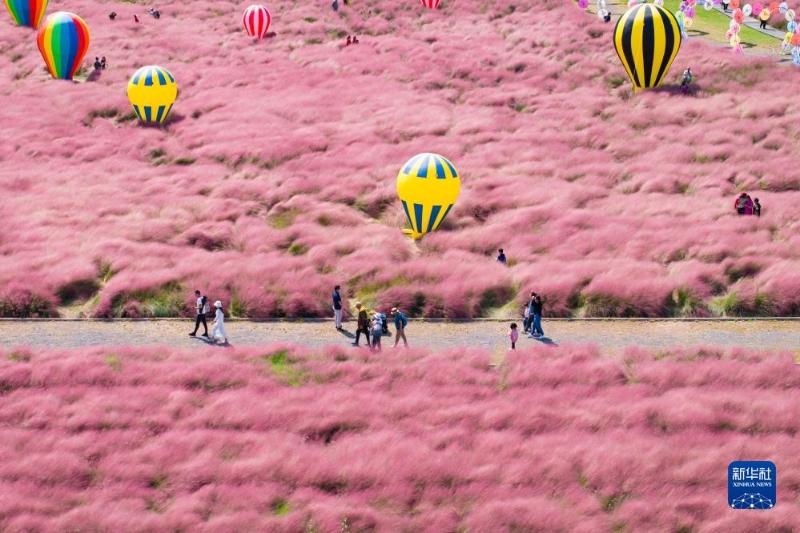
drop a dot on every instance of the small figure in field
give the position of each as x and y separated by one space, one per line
335 5
201 307
607 17
363 324
112 15
218 329
337 307
536 311
154 13
377 332
103 63
764 17
744 204
687 76
514 336
348 41
97 64
501 258
724 6
400 323
756 207
136 19
355 39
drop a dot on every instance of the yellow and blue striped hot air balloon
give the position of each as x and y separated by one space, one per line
152 91
647 39
428 185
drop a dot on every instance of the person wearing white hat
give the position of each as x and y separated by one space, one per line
218 328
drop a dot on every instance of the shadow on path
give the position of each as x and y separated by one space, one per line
347 333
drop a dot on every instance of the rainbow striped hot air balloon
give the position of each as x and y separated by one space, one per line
152 91
647 39
428 185
63 41
256 21
27 12
430 4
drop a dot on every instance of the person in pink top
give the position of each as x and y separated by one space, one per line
514 336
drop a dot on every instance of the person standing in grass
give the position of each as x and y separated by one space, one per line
536 327
514 336
218 329
400 323
501 258
202 308
337 307
363 323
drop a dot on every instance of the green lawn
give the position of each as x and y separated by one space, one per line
713 25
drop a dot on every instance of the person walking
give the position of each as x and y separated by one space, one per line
514 336
756 207
377 332
202 308
337 307
529 314
400 323
501 258
363 324
536 328
218 329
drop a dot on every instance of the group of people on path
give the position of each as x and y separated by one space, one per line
100 63
372 324
531 322
745 205
218 326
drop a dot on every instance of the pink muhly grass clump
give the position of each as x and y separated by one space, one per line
560 166
286 437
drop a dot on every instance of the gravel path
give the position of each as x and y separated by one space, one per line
609 335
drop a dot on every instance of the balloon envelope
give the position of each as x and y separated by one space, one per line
428 185
152 91
63 40
256 21
27 12
430 4
647 39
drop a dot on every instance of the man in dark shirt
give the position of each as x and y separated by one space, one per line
363 323
536 327
337 307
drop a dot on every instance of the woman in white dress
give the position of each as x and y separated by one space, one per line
218 328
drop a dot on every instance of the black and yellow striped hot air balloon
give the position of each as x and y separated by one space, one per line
647 39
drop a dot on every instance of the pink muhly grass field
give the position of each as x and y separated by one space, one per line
286 439
275 177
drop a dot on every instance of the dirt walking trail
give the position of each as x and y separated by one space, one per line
609 335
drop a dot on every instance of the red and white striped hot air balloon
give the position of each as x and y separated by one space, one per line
256 21
430 4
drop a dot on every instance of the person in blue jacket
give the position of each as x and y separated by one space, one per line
400 323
